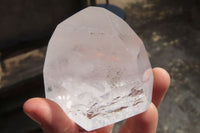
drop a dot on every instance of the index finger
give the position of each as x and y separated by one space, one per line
160 85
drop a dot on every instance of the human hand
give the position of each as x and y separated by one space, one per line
53 119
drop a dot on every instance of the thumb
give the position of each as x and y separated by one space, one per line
49 115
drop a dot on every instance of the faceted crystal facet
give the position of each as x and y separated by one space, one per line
97 69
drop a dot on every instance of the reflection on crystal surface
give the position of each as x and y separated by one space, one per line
97 69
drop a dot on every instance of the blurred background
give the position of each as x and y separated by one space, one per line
170 30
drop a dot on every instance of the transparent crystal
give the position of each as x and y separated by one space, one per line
97 69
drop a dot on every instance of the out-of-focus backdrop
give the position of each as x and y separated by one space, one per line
170 30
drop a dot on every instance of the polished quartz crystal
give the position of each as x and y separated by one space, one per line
97 69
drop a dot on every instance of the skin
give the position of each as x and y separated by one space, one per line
52 118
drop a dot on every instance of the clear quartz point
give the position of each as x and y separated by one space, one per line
97 69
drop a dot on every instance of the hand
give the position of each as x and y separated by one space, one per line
53 119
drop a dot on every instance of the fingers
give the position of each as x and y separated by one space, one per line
53 119
143 123
107 129
49 115
160 85
147 122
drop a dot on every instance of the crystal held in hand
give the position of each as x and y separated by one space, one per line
97 69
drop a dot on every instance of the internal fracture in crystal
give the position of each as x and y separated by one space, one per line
97 69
